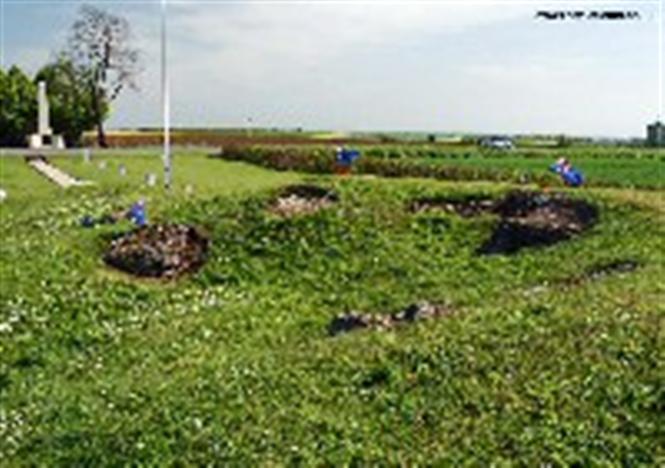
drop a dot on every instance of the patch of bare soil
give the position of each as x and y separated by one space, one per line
302 199
415 312
614 267
605 269
526 219
596 272
533 219
159 251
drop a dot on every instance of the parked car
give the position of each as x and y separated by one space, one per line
497 142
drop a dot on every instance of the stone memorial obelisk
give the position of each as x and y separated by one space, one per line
44 137
43 127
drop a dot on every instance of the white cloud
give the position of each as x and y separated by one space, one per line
262 36
281 61
375 65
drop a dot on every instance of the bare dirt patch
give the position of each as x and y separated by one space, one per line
602 270
526 219
302 199
533 219
596 272
415 312
614 267
159 251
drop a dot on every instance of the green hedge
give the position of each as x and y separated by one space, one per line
322 161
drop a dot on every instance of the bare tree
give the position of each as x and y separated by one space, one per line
99 47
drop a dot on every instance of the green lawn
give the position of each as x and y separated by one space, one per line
23 184
206 176
233 366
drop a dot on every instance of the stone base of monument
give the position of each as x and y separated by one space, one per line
37 141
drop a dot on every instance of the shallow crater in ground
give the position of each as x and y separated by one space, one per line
302 199
159 251
526 218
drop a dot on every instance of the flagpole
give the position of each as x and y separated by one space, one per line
660 60
165 106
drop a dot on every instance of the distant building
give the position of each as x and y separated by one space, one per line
656 134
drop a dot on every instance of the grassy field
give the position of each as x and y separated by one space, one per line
233 365
205 176
622 172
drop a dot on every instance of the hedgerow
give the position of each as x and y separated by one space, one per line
322 161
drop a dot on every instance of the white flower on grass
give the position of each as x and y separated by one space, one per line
5 327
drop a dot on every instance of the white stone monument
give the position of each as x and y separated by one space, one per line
44 138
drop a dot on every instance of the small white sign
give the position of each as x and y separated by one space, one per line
151 179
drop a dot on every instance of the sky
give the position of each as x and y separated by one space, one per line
440 66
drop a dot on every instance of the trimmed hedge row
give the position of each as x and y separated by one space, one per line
321 161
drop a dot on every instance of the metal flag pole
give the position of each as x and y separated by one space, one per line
660 59
165 106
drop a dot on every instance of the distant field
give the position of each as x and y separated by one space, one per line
621 172
299 136
131 139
